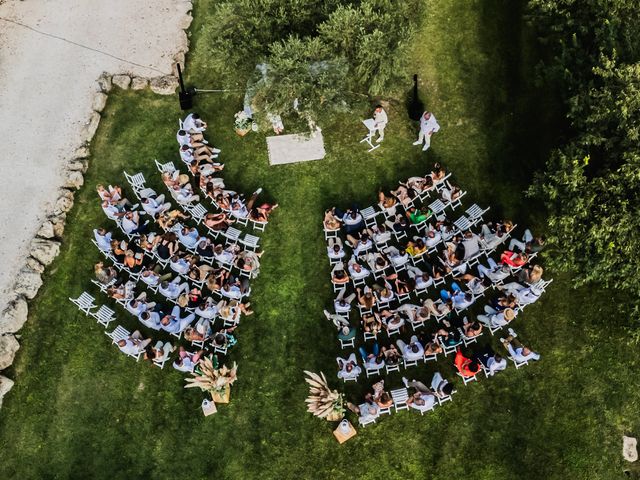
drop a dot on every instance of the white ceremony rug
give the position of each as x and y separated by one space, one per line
295 148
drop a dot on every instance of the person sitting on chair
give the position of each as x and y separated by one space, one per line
428 126
466 366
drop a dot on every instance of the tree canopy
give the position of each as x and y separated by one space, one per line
591 184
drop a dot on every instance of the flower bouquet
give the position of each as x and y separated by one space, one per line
216 381
322 401
242 123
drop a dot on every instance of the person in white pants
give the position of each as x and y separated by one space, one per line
381 120
428 126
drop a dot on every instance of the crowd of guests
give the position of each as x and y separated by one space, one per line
168 274
406 281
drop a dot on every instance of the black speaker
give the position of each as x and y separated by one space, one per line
186 100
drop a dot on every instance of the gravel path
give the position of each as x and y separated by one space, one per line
48 71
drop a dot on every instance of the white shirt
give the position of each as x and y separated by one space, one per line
103 241
129 224
209 312
170 292
429 401
186 156
430 242
152 207
494 366
130 348
411 355
180 266
153 322
380 118
361 274
190 124
341 308
183 139
190 239
332 253
430 125
111 211
519 357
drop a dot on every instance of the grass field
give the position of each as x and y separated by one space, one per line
80 409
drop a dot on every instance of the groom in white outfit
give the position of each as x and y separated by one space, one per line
428 126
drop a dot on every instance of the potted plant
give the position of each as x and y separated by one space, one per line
322 401
216 381
242 123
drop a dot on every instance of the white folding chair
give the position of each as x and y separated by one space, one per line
259 226
136 181
168 167
370 124
400 397
84 302
392 368
120 333
475 213
437 207
198 212
251 242
369 214
104 316
232 235
466 380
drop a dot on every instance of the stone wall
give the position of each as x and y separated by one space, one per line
45 247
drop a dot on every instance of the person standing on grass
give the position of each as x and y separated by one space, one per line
428 126
380 118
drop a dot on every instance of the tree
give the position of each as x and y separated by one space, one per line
591 184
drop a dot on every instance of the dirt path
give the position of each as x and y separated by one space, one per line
47 83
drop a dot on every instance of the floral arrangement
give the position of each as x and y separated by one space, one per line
210 379
322 401
242 121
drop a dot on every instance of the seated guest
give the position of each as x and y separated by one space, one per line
396 257
168 246
528 244
371 323
494 318
133 261
530 274
382 398
413 351
416 247
156 205
367 411
112 195
349 368
513 259
180 265
400 225
194 124
440 386
472 329
493 234
173 289
491 361
466 366
167 219
103 239
405 195
380 235
342 304
225 256
377 261
373 359
158 352
137 305
416 215
331 222
387 203
522 295
150 319
175 323
366 299
133 344
189 236
104 275
335 250
360 245
204 248
224 338
352 221
519 352
208 309
339 275
261 213
423 399
187 361
450 194
356 270
438 173
131 223
217 221
493 272
391 355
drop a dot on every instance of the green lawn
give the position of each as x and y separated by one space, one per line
81 409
